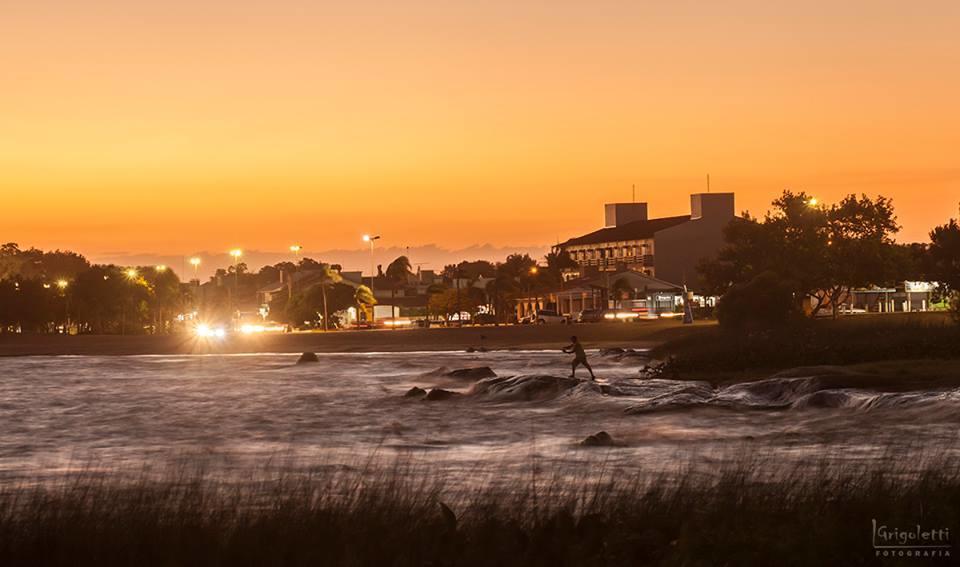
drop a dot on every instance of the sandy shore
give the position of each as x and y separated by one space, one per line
600 335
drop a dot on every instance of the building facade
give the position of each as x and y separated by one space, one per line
668 248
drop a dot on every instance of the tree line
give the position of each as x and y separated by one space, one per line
805 256
57 291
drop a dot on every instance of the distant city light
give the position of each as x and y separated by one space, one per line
813 202
534 270
236 253
62 284
131 273
296 248
194 261
161 268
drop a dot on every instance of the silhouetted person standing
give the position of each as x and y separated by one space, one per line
579 357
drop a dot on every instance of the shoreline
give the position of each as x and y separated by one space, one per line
646 334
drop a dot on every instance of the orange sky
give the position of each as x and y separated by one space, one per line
181 126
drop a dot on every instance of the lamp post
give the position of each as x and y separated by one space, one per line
236 253
131 274
195 262
373 308
62 284
534 270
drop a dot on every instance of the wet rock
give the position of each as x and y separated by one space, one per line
523 388
825 399
601 439
308 357
684 398
476 373
438 394
770 393
616 351
624 354
415 392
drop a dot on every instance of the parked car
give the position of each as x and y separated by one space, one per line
545 316
591 316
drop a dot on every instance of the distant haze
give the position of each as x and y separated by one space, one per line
429 257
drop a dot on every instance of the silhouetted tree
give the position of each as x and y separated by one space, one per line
822 251
944 261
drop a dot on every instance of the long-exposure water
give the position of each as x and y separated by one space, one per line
238 413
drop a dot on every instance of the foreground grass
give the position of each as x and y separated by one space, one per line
736 516
851 340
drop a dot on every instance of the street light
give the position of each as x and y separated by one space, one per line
195 262
296 248
236 253
812 202
131 274
160 268
62 284
371 240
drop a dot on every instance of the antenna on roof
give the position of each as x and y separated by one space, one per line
708 183
633 193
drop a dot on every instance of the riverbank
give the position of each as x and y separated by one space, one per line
885 352
645 334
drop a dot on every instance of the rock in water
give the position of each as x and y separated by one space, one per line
601 439
524 387
437 394
415 393
477 373
308 357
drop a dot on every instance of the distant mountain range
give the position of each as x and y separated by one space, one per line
427 257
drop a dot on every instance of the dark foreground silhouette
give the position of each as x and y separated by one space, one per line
400 516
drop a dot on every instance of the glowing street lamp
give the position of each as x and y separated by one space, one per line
62 285
131 274
371 240
195 262
236 253
160 268
296 248
812 202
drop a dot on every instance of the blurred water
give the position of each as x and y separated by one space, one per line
238 413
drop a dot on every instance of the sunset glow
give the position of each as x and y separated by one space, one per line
175 128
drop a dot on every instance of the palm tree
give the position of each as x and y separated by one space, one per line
364 298
328 277
397 274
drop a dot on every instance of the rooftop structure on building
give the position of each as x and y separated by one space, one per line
669 248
